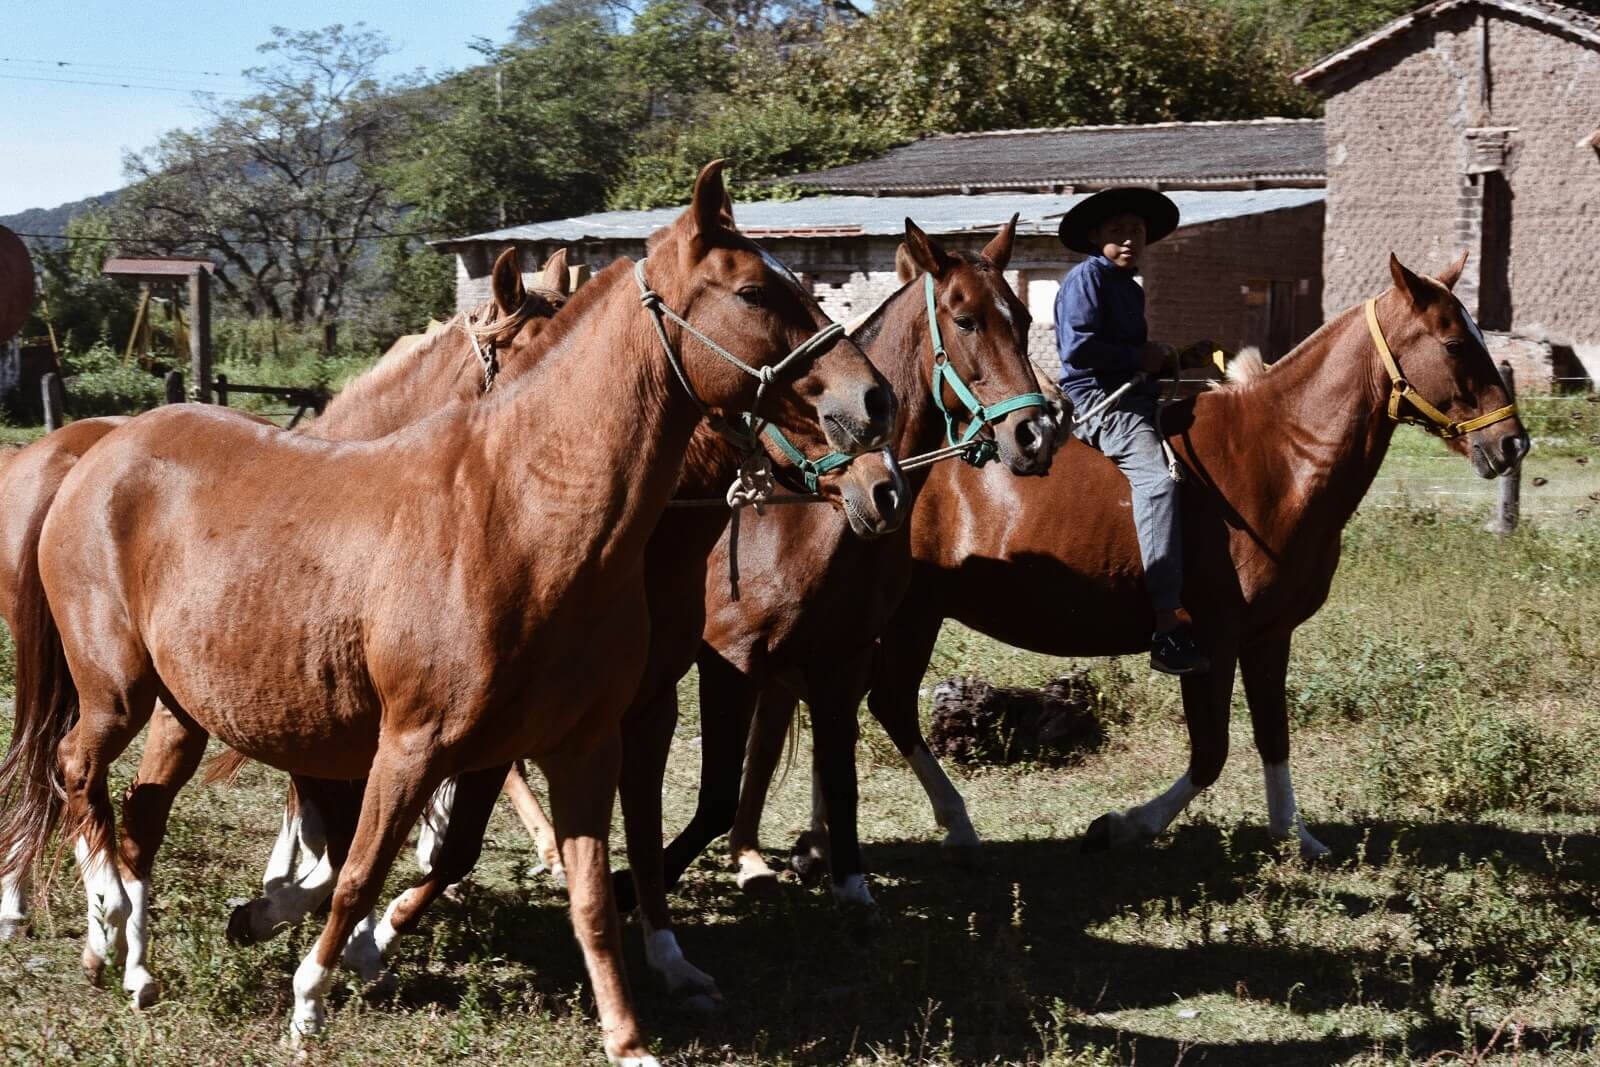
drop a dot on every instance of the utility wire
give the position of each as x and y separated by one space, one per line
114 66
119 85
193 239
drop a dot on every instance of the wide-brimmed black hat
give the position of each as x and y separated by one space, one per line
1160 215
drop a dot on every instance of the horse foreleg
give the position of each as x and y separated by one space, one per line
727 701
172 753
457 844
834 695
1206 700
649 726
300 873
14 904
582 785
902 661
536 822
1265 669
773 718
391 803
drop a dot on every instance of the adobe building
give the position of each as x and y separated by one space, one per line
1474 124
1243 268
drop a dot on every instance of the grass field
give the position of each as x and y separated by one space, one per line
1445 700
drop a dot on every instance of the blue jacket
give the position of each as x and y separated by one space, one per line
1100 329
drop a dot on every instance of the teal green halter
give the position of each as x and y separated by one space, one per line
974 450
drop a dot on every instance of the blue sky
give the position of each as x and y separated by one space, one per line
61 141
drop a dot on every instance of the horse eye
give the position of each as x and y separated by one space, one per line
967 323
1455 346
752 295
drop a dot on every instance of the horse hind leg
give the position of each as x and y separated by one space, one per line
536 822
1265 668
299 875
1206 700
771 728
14 905
172 754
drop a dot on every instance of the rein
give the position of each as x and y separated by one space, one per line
1432 419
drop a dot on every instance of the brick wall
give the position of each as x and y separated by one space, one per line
1408 171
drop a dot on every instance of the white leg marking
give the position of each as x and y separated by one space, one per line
298 876
633 1061
853 891
949 809
362 953
311 983
136 977
753 868
14 905
107 906
1283 815
435 818
662 952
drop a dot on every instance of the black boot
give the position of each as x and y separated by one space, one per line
1174 652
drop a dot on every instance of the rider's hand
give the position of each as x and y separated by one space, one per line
1156 357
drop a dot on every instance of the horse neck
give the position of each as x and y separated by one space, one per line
1320 412
597 429
405 388
902 349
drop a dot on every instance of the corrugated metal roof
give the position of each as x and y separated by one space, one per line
155 266
853 216
1166 154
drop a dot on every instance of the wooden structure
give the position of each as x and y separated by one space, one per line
172 270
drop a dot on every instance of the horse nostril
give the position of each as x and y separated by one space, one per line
886 498
1027 438
879 405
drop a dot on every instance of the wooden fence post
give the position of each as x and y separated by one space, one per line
200 334
222 389
1508 511
55 401
175 387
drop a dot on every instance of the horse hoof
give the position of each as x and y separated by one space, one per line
94 969
146 995
1098 837
1313 850
457 893
966 856
242 927
703 1005
762 885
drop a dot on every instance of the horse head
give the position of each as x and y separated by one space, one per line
811 382
980 333
1441 376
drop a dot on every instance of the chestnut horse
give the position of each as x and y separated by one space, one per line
842 591
437 594
1277 464
411 383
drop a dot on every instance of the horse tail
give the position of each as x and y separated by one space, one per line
224 767
32 791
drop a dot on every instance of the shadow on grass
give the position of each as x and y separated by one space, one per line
1000 963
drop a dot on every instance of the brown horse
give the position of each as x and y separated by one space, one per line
797 598
1277 464
417 381
436 595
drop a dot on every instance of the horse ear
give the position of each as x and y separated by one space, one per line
1416 290
505 283
555 276
1452 274
925 251
710 209
905 268
998 251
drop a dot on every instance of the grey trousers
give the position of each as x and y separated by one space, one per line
1126 435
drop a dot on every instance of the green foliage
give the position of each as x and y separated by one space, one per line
84 307
98 382
1473 761
1308 29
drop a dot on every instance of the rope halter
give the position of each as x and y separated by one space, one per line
1400 391
745 432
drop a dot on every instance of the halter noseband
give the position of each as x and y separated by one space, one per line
743 433
1433 420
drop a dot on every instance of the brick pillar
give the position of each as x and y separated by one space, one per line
1483 226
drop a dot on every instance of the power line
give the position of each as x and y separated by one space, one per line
117 85
193 239
114 67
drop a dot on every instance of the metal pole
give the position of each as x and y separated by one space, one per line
55 401
200 334
1509 511
175 387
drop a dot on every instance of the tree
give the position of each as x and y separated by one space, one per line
283 187
84 305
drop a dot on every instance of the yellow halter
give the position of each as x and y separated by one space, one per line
1433 420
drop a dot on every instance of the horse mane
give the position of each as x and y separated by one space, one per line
1248 370
1243 368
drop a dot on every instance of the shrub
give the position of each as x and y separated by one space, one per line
99 383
